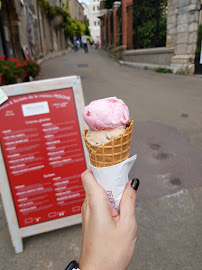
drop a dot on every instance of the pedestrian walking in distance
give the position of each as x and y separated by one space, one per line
74 42
85 42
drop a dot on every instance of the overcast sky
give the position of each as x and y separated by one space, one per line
85 1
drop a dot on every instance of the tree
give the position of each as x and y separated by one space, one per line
108 4
72 26
87 30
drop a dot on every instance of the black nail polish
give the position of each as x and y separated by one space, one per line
135 183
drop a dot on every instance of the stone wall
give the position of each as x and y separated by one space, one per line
156 56
76 10
182 27
45 36
182 34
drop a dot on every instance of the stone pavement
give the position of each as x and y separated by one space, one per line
167 138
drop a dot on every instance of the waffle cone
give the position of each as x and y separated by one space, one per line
113 152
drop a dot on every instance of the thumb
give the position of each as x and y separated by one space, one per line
128 200
89 182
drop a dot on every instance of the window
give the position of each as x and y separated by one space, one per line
98 8
98 23
95 23
93 8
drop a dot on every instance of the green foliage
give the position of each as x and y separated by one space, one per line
31 68
87 30
69 24
117 55
108 4
149 23
82 27
198 48
72 26
52 11
163 70
147 34
13 68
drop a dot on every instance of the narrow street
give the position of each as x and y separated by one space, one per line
167 138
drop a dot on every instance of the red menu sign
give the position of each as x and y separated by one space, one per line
27 53
44 156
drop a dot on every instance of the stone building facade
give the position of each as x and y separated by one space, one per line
24 24
59 3
182 32
10 44
92 12
179 54
76 10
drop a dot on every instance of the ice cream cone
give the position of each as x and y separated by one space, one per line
113 152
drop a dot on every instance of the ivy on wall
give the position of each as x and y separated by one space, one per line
69 24
52 11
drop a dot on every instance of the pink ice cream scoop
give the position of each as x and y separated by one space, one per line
107 113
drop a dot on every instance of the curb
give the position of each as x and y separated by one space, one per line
112 56
142 66
53 55
146 66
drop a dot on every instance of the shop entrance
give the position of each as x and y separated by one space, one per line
6 44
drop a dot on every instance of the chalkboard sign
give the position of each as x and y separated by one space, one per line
42 156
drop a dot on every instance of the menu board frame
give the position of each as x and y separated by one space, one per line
17 233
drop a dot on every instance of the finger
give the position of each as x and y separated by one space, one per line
113 211
127 204
96 197
89 182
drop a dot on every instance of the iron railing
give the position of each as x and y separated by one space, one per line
107 32
129 11
149 23
112 28
119 26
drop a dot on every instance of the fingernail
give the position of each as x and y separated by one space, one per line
135 183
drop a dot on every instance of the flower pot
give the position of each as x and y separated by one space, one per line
26 79
19 80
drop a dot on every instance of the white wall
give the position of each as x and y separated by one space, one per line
92 11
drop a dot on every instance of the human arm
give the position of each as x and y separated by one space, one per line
108 238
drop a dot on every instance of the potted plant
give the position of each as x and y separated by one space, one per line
2 60
31 68
12 70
